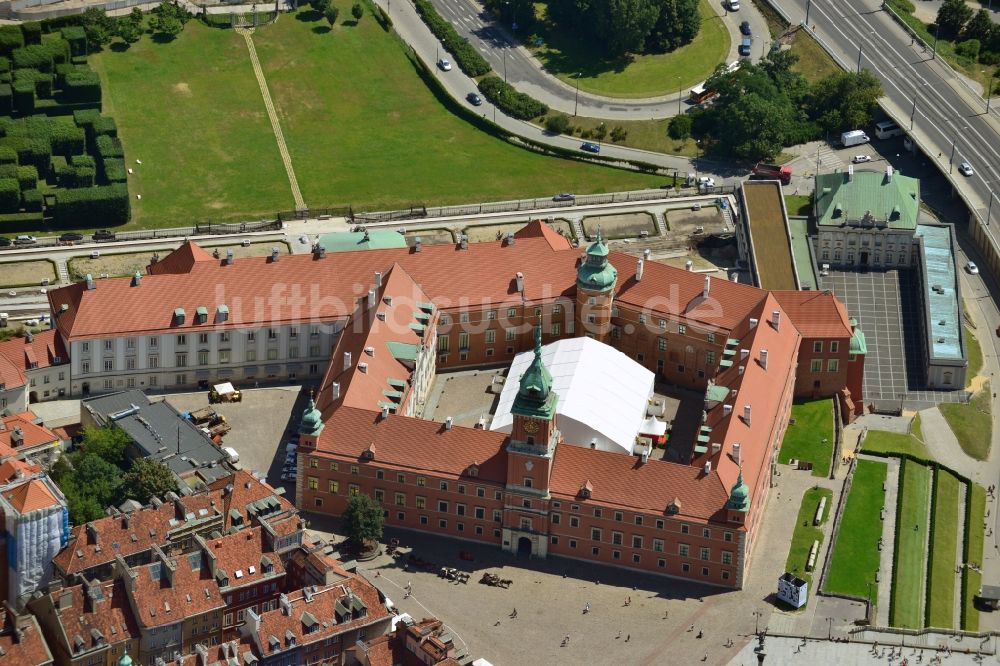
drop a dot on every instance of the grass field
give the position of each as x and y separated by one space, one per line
972 423
909 568
941 589
645 134
798 204
805 532
971 580
974 354
855 553
361 127
805 439
878 441
566 55
815 64
626 225
26 273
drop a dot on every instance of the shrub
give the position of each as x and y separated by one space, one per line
619 134
510 101
109 146
93 206
42 57
27 177
114 170
465 54
67 139
32 200
557 124
105 125
83 161
10 195
11 38
32 32
82 86
76 37
6 99
680 127
8 171
41 80
8 155
968 49
61 70
86 117
84 176
4 64
24 96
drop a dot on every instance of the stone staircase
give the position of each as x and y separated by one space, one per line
62 269
578 230
661 224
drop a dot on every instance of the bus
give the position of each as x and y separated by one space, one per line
700 94
887 129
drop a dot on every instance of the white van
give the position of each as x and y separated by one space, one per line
887 129
853 138
231 453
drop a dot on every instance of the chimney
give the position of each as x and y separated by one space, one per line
286 605
448 423
519 278
736 452
335 391
776 319
727 410
275 254
127 521
463 242
319 251
378 280
746 414
385 412
735 277
753 322
92 534
510 238
763 358
136 279
688 265
229 257
716 447
744 353
707 288
417 244
90 282
638 270
202 653
888 173
850 172
65 599
347 360
372 296
645 254
708 467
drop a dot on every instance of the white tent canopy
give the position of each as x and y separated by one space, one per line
602 393
653 426
225 388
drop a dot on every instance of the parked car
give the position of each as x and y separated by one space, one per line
706 181
745 28
291 447
4 241
290 458
103 235
965 169
564 196
745 46
590 147
25 240
31 322
474 99
70 237
858 159
288 477
734 5
972 268
444 64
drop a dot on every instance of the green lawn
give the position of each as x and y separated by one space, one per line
974 353
972 423
878 441
811 438
361 126
855 553
805 532
972 580
565 55
798 204
941 590
910 553
814 63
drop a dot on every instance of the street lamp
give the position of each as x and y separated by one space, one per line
504 49
989 209
576 99
756 622
989 91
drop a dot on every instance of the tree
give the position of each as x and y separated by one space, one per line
148 478
356 11
952 17
980 27
168 26
624 24
618 134
320 5
755 126
600 132
844 100
557 124
100 27
107 443
331 15
678 24
96 477
969 49
363 519
680 127
129 32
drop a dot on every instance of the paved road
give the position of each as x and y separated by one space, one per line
949 119
514 62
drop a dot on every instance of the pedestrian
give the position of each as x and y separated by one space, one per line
705 658
497 623
619 634
691 628
514 614
628 638
566 639
628 600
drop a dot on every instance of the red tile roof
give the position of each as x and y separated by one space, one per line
11 374
817 314
182 260
42 349
30 649
13 468
110 614
242 552
33 434
158 602
246 489
415 444
33 495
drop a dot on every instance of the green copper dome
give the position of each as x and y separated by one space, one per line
312 421
125 660
596 273
739 496
535 397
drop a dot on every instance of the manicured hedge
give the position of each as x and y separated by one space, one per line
92 206
42 57
32 32
105 125
41 80
82 86
76 37
33 200
27 177
24 97
10 195
5 65
6 99
509 100
67 139
114 170
8 171
11 38
109 146
83 161
86 117
465 54
8 155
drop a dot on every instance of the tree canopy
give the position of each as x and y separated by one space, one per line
363 519
629 26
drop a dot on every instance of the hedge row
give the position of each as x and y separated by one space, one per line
82 85
509 100
109 146
466 55
895 536
43 57
935 471
10 195
114 170
93 206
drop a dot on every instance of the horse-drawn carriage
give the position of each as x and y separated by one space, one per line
494 580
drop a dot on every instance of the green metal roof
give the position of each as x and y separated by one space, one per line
535 396
419 328
858 343
728 351
392 394
596 273
202 311
705 428
739 496
732 342
398 383
384 403
376 239
700 449
842 200
224 308
944 328
179 313
421 316
726 363
717 393
703 439
403 351
426 306
798 229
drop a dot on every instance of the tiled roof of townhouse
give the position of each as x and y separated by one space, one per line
241 490
161 597
37 350
21 641
32 495
12 469
30 434
90 614
300 288
817 314
11 374
242 557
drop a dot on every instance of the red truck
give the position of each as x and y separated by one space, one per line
776 171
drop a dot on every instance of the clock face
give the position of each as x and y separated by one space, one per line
531 426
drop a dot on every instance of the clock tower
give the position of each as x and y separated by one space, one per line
530 449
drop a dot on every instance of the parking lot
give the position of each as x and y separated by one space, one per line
260 422
887 307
